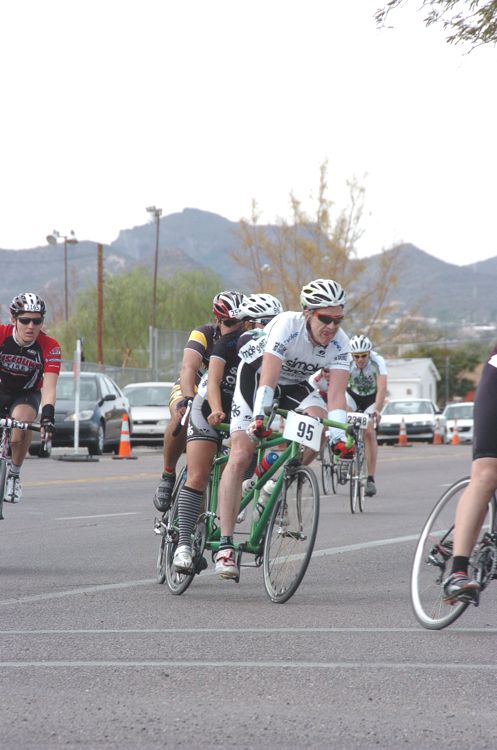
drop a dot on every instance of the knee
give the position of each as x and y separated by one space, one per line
240 457
485 476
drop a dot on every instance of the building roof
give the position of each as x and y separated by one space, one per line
409 368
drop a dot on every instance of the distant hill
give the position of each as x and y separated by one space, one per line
195 239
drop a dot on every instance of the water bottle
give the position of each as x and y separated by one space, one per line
266 462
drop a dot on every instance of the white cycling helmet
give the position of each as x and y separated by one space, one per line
360 344
322 293
257 306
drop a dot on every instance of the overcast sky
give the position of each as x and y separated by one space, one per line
109 106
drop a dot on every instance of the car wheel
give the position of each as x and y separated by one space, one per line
33 450
96 448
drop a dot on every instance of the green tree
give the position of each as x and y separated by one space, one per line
473 22
182 301
280 259
454 364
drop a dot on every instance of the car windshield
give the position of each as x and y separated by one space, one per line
151 396
459 411
408 407
87 389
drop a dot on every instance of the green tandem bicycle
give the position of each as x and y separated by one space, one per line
281 539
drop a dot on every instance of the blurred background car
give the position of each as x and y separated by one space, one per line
463 412
420 416
102 405
149 410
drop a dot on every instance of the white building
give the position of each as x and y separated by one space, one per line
412 378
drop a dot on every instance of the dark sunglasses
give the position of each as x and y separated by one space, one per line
328 319
230 322
359 356
27 321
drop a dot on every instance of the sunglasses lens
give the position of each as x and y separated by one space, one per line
328 319
27 321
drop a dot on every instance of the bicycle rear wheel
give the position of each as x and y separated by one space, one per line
161 557
291 534
433 561
328 470
3 479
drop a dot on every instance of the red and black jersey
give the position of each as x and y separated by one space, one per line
22 367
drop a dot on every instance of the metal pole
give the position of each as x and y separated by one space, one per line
65 280
100 303
77 371
156 264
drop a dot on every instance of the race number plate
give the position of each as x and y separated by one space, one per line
358 419
303 429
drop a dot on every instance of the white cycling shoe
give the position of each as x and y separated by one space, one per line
183 560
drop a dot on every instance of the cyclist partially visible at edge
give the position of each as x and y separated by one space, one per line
297 344
29 368
194 364
472 507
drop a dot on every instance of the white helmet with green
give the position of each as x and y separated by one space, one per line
360 344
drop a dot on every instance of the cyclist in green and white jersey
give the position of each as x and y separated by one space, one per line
366 392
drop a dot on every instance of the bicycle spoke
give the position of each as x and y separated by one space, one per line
290 536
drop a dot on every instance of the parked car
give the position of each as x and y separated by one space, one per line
102 405
420 417
149 410
463 412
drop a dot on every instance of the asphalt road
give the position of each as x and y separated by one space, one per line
95 654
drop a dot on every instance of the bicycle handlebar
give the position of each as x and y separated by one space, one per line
14 423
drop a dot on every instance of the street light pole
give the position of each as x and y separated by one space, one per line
156 213
53 239
100 303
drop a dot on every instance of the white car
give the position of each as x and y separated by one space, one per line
149 410
420 417
463 412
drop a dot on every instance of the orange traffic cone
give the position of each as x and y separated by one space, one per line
124 442
403 434
455 434
437 435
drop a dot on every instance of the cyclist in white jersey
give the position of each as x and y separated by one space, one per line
366 392
297 344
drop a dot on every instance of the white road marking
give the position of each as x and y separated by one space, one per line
236 631
169 664
147 581
97 515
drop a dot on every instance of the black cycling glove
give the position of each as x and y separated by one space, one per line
47 419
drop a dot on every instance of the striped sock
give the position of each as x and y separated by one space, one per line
189 503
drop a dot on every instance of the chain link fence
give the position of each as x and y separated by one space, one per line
165 355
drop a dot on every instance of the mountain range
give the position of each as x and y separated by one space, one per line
196 239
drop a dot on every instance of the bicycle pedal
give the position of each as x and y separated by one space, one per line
201 565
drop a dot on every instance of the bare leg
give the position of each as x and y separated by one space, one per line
21 439
174 445
472 506
230 487
371 445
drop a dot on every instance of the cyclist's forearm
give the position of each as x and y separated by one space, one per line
188 373
48 391
381 393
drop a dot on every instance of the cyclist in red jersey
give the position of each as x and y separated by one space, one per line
29 368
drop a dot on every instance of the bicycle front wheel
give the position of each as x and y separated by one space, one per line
355 484
291 534
177 582
328 471
433 561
